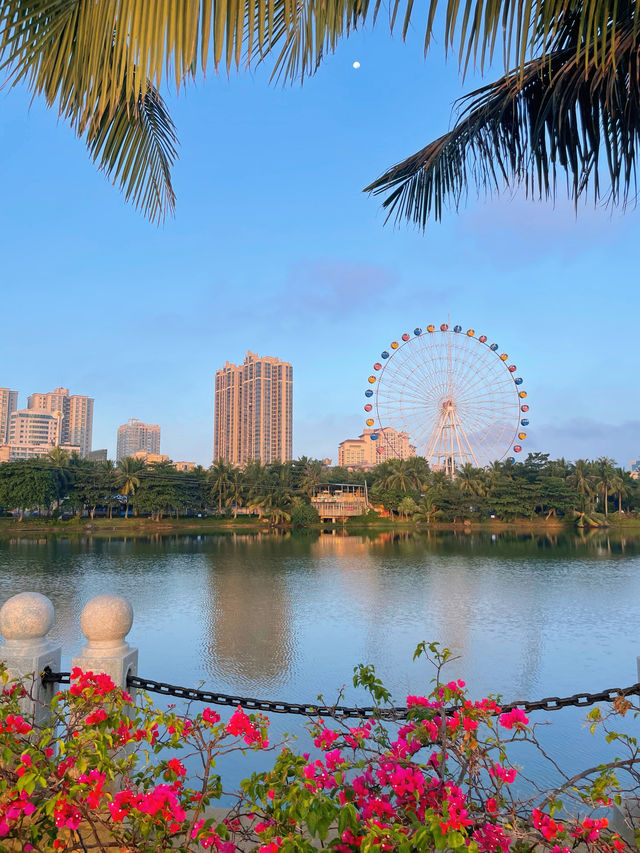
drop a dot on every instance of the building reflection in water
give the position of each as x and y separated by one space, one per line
249 639
358 580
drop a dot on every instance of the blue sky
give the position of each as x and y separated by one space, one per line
274 248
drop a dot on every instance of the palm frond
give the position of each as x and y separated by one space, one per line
304 31
474 29
136 148
558 115
96 58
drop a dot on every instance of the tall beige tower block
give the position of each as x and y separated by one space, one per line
253 411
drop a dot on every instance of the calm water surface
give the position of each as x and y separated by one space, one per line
288 617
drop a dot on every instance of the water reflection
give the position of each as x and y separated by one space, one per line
248 624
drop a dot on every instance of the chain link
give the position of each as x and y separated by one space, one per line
551 703
272 707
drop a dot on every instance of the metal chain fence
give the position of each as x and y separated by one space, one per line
308 709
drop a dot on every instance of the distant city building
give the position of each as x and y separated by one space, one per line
75 415
253 411
364 452
634 468
33 432
184 466
11 452
98 455
135 436
156 458
150 458
8 404
34 427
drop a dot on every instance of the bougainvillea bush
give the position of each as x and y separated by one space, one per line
109 774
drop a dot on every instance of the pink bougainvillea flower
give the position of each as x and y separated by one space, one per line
506 774
210 716
515 719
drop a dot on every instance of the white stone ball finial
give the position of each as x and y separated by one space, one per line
106 620
26 618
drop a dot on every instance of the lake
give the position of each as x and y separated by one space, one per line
287 617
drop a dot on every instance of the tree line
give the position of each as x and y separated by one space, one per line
60 485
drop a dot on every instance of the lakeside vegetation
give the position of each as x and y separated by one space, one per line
538 489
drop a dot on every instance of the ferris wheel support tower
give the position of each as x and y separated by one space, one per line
449 443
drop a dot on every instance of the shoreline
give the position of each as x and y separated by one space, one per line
10 528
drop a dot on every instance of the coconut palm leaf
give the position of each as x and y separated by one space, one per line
559 114
97 59
136 148
474 29
127 128
175 38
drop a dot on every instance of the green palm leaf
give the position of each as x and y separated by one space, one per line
99 59
558 114
136 147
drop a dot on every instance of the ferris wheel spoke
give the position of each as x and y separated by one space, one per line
420 376
481 378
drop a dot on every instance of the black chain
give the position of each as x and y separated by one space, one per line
551 703
49 677
306 709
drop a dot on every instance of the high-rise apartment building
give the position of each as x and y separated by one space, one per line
364 452
253 411
136 436
8 404
75 413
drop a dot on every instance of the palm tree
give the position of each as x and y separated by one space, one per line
568 99
407 507
220 478
127 478
398 475
427 508
310 475
278 516
58 459
470 479
605 479
622 484
581 479
108 474
235 498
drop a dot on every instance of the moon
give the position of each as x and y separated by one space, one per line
356 64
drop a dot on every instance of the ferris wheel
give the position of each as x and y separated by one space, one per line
450 395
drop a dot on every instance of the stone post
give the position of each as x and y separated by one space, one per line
105 621
25 621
